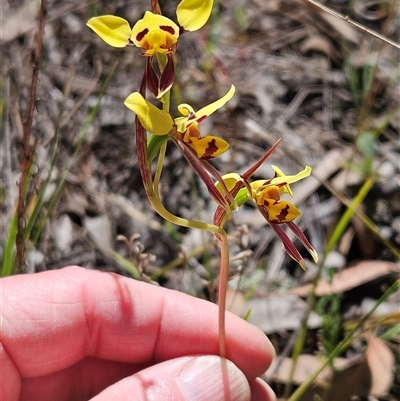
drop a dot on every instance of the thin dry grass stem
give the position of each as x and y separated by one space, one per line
360 27
27 150
6 156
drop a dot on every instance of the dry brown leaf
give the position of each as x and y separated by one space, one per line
351 277
352 382
306 365
321 44
350 378
381 361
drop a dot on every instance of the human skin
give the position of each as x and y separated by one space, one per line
75 334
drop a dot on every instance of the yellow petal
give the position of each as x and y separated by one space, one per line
290 179
154 120
181 122
280 211
155 33
115 31
230 181
206 111
255 185
185 109
208 147
191 116
279 173
193 14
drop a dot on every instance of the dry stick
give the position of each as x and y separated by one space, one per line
355 24
26 148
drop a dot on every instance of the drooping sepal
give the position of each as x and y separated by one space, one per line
154 120
303 239
290 249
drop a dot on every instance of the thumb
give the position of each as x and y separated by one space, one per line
195 378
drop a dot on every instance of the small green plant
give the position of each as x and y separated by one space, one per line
331 329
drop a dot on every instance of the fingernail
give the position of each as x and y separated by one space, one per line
207 378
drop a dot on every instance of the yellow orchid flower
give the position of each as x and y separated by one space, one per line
266 195
159 122
279 211
154 33
279 173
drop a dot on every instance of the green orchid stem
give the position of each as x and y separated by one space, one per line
180 221
154 144
161 157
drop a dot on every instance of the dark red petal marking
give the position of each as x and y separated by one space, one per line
142 34
210 150
281 217
201 119
168 29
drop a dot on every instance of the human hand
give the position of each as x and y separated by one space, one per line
74 334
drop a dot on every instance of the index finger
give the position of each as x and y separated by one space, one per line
54 319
